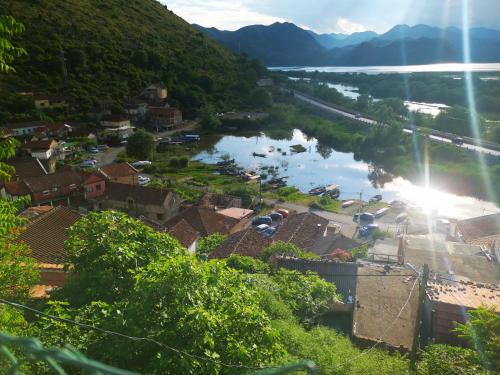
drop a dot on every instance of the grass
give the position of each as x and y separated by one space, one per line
326 203
291 194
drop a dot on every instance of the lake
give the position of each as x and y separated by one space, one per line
322 165
429 68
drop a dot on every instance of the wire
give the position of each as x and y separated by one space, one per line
379 341
315 273
134 338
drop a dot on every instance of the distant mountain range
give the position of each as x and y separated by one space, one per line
285 44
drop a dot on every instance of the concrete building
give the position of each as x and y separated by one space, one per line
115 121
26 128
163 118
42 150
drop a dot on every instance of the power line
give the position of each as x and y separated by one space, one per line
379 341
133 338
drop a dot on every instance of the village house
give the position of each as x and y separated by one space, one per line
136 110
446 304
49 101
27 167
155 92
94 186
482 231
26 128
120 172
156 204
236 213
54 189
218 201
164 118
115 121
45 234
185 234
42 150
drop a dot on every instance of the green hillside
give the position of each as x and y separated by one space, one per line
114 48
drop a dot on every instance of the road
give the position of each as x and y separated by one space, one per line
368 121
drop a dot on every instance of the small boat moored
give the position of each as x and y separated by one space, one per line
317 190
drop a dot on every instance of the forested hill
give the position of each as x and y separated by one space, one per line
114 48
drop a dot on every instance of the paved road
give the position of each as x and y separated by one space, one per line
368 121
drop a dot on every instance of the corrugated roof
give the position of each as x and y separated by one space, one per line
466 294
45 235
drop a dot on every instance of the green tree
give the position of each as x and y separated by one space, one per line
384 114
449 360
209 118
140 145
482 331
8 52
261 98
105 252
287 249
208 244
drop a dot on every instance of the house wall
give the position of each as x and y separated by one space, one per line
115 124
58 194
42 155
94 190
24 131
131 180
239 226
443 318
192 248
53 277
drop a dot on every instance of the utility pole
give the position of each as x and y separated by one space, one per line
418 321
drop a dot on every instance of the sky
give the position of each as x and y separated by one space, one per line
344 16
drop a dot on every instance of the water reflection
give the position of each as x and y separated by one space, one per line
323 165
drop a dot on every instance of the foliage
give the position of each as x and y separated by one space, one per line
140 145
334 353
206 245
287 249
360 252
326 203
246 192
141 42
106 250
482 331
449 360
247 264
8 52
208 117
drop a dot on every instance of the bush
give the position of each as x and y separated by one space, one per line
183 162
173 162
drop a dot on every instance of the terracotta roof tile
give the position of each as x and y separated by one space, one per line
302 229
116 191
17 188
31 167
205 221
45 235
246 243
38 145
478 227
118 170
58 179
184 233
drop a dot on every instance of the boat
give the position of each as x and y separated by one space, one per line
376 198
298 148
255 154
347 203
317 190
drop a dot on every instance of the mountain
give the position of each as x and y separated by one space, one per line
288 45
274 45
333 40
113 49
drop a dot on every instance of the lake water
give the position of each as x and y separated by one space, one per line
321 165
429 68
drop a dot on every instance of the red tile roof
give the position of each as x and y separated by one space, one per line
17 188
118 170
205 221
38 145
302 229
184 233
58 179
45 235
93 178
478 227
142 195
247 243
31 167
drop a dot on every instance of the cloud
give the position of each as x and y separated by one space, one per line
346 26
224 15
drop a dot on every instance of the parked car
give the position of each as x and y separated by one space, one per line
88 164
262 220
363 218
397 204
458 141
102 147
262 227
269 231
276 216
368 230
402 217
141 163
93 150
443 225
143 180
376 198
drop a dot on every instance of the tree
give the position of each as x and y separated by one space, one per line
208 244
140 145
106 250
261 98
449 360
482 331
8 52
209 118
384 114
285 248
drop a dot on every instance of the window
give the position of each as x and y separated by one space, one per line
46 192
98 187
159 216
88 189
55 189
72 186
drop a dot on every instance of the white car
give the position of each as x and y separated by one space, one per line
141 163
143 180
88 164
